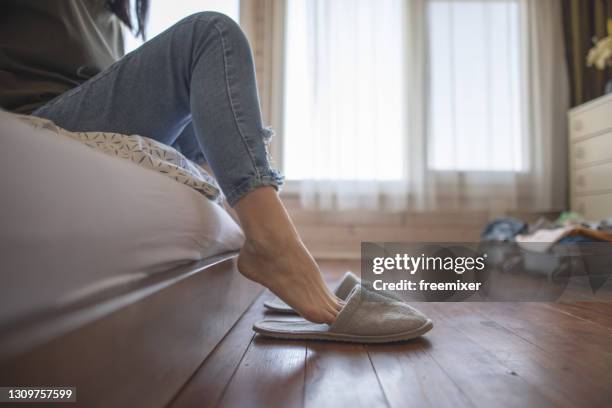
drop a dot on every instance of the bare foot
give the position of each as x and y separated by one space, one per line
275 256
288 270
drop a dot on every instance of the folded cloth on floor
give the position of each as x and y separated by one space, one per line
542 240
344 288
140 150
367 317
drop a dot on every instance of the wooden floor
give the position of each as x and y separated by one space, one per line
477 355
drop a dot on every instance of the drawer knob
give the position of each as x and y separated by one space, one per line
580 152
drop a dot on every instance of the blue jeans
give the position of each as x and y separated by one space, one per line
195 82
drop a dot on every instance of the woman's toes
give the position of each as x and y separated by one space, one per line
293 277
332 305
330 316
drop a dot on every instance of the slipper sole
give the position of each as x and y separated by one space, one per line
348 338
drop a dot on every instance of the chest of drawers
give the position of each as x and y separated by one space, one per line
590 158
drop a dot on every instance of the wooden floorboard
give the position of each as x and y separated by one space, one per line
206 386
340 375
585 370
579 343
477 355
601 307
271 374
481 375
586 311
540 368
407 372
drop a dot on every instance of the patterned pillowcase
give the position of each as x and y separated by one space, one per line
142 151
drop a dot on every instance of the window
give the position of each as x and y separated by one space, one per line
347 102
343 111
475 121
164 14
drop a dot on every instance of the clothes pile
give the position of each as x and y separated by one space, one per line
569 246
569 228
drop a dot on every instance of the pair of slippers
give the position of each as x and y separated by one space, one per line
367 317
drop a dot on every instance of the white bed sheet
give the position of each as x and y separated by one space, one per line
74 220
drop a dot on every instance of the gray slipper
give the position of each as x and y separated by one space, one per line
344 288
367 317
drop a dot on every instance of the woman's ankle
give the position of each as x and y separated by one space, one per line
265 242
265 221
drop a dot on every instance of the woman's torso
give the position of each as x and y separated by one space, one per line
50 46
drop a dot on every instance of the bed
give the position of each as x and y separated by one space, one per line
115 279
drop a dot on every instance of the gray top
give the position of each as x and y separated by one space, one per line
50 46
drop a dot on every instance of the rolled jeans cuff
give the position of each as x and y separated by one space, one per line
271 178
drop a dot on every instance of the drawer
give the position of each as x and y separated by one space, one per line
593 207
596 149
595 119
593 179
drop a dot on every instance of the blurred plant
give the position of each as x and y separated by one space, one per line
600 55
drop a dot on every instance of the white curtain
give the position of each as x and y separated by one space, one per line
344 108
425 104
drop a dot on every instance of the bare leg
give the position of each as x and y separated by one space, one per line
274 256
